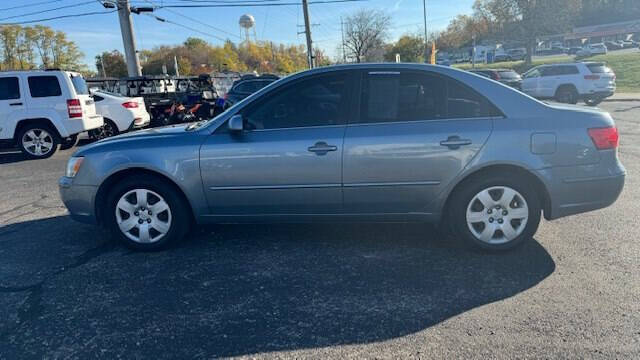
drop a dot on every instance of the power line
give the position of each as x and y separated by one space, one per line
193 19
48 10
258 4
30 5
185 26
59 17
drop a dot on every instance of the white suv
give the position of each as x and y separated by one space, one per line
568 83
40 110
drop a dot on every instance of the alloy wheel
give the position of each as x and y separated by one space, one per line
497 215
37 142
143 216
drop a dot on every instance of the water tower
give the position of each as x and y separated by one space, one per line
247 23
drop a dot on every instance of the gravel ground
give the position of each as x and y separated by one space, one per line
316 291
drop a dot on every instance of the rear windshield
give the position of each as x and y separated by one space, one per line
80 85
599 68
509 74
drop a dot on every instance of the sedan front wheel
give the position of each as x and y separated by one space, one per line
146 213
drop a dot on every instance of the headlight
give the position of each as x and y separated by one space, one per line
73 166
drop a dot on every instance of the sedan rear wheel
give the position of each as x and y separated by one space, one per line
146 213
495 212
497 215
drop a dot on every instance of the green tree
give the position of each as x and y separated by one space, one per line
410 48
114 64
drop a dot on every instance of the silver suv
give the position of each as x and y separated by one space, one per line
384 142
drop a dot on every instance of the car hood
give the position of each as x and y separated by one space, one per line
135 136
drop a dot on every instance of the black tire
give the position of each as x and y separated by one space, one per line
593 101
108 129
465 193
69 142
179 210
567 94
37 129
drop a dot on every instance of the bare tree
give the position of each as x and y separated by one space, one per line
365 33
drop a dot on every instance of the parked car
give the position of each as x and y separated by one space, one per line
613 45
41 110
517 54
626 44
120 113
593 49
574 50
505 76
244 87
568 83
501 57
362 142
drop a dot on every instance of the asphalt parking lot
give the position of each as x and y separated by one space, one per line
316 291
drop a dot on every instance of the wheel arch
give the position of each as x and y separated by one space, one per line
566 85
21 124
105 186
509 170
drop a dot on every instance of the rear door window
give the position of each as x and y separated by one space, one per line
9 88
44 86
463 102
403 97
412 96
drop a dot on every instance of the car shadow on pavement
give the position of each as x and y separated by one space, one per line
246 289
12 157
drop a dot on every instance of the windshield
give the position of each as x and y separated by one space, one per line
509 74
79 85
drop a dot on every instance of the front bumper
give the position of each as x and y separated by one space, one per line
79 200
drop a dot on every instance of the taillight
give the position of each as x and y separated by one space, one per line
74 108
592 77
226 96
130 105
495 76
605 138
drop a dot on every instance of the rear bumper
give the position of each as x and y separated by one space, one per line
140 121
572 195
78 125
79 200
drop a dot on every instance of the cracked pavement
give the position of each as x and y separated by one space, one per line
316 291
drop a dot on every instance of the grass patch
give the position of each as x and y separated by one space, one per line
625 65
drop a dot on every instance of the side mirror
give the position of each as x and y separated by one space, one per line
236 123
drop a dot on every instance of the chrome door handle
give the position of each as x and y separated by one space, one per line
454 142
321 148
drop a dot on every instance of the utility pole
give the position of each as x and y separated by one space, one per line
344 53
426 37
104 70
126 28
307 27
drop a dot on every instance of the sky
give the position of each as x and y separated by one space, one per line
280 24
